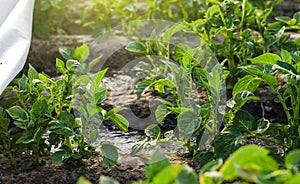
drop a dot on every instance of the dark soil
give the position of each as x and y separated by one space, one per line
91 169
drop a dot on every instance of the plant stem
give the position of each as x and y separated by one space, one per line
69 142
269 140
285 108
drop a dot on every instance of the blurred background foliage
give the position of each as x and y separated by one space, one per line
98 16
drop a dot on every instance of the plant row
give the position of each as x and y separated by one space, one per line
66 113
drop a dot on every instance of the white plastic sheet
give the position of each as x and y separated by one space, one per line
15 37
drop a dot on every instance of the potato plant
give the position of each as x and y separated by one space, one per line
41 114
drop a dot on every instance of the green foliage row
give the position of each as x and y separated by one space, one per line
103 15
253 52
41 114
243 166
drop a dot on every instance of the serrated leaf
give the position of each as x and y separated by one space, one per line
247 83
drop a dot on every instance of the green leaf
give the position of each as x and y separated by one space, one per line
82 180
142 87
114 111
38 134
4 125
18 114
66 52
27 164
61 128
25 139
261 126
161 84
292 160
240 99
288 68
283 19
22 82
100 95
161 113
153 131
137 47
187 175
39 107
107 180
81 53
231 139
249 159
59 156
247 83
32 73
60 65
120 121
245 119
269 79
268 59
68 119
19 124
72 65
158 162
286 56
109 153
97 78
179 52
188 122
168 175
